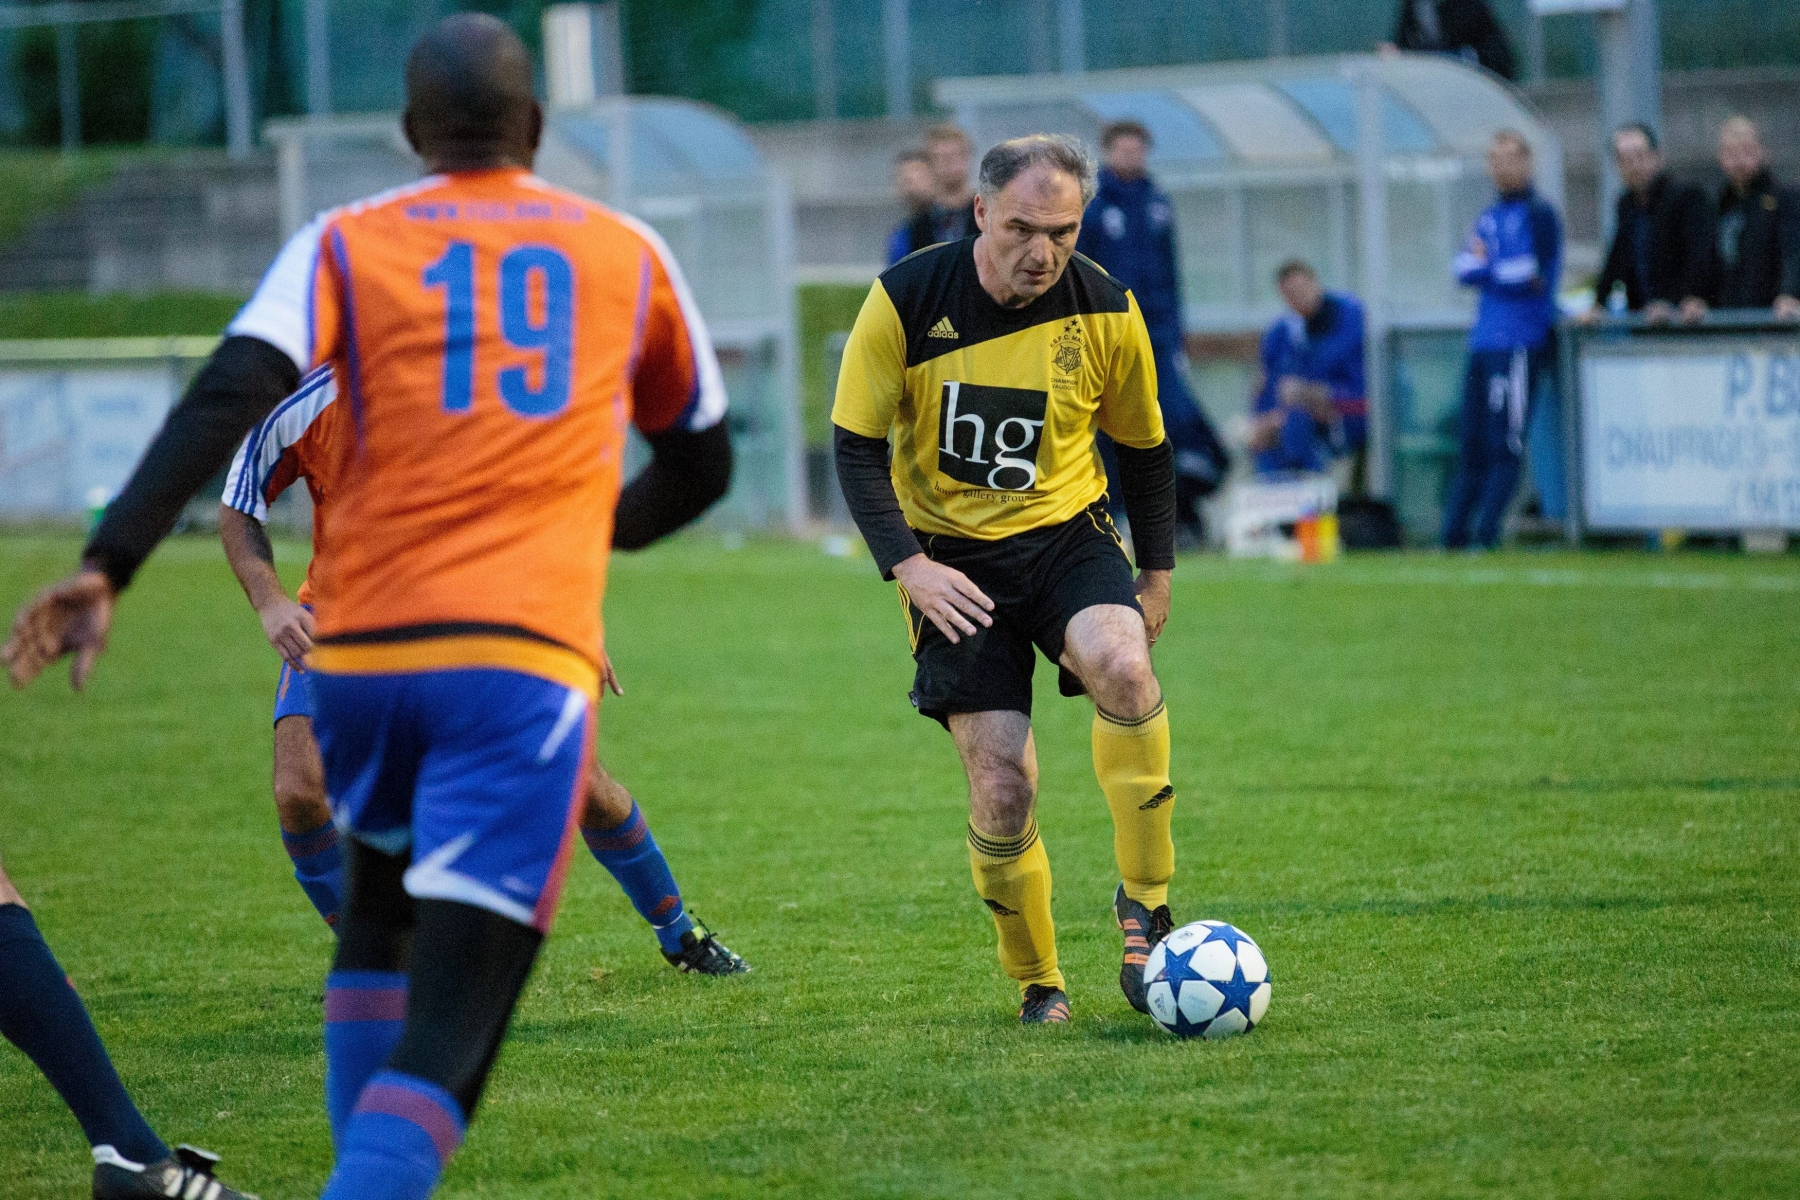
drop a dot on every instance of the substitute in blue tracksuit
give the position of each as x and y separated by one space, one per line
1312 406
1514 256
1129 229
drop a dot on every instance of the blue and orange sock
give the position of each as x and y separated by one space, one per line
403 1131
41 1015
631 855
365 1014
319 868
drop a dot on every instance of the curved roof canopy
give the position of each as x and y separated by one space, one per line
674 146
1298 114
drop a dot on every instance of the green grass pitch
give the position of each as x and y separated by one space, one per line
1519 836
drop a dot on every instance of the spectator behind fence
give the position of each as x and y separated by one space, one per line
1311 407
951 213
1514 256
1758 253
1129 229
1662 241
916 188
1465 29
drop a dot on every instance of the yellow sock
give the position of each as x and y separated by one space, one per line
1131 760
1012 877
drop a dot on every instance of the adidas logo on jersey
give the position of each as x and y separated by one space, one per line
943 329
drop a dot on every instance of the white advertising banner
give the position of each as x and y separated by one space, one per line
1692 434
70 436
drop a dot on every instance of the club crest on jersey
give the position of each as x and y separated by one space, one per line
989 436
1066 350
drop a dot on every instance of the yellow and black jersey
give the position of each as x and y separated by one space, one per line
993 409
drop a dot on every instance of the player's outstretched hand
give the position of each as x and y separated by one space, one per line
1153 594
609 678
71 617
945 595
289 628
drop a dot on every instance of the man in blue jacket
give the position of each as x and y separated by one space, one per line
1311 406
1129 229
1514 256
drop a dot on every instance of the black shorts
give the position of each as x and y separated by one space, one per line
1038 581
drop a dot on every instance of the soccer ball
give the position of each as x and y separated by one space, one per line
1207 980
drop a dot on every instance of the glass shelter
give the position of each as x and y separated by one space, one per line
688 171
1371 168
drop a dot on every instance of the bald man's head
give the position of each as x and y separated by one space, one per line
469 101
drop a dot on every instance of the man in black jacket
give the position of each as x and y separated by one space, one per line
1662 244
1758 248
951 215
1463 29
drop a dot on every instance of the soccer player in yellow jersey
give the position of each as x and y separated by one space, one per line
992 362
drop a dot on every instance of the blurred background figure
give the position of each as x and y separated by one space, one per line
951 213
1129 229
1465 29
1758 228
916 188
1514 257
1311 408
1662 242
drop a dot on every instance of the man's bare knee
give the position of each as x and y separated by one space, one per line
608 804
1124 683
1108 650
1000 760
300 800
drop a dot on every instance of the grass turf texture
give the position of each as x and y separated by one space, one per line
1518 836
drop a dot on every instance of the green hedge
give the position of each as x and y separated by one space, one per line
77 314
825 308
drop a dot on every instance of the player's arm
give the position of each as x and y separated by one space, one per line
689 471
240 385
1473 265
287 625
1131 417
680 410
870 383
257 364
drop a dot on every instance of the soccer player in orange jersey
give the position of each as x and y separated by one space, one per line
494 337
301 442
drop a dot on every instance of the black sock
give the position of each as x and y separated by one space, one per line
41 1015
468 967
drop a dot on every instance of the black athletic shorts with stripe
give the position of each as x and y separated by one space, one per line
1038 580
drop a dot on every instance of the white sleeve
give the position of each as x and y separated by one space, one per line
708 406
247 481
241 491
281 311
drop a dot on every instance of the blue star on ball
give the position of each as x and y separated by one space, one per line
1224 933
1177 970
1237 992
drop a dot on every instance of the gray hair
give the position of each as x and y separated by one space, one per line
1013 157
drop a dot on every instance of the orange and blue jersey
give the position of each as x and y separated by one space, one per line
490 338
486 341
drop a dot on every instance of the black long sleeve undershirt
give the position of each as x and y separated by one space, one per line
862 471
1147 486
688 473
240 384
